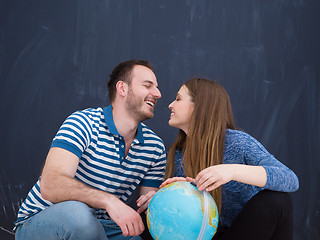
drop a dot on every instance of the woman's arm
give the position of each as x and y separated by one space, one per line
215 176
250 163
279 176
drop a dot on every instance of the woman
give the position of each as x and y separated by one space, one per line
248 184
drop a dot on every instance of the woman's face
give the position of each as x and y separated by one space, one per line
181 110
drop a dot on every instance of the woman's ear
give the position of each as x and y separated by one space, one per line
122 88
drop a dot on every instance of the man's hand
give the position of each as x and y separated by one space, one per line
58 184
144 200
127 218
146 193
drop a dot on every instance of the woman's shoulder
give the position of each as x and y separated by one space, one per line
239 139
237 136
242 141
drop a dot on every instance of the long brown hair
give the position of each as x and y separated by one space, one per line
203 146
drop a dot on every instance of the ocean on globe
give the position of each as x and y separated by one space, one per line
180 211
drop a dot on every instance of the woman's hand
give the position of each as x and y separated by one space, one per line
171 180
215 176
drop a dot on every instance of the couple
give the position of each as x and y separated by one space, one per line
100 156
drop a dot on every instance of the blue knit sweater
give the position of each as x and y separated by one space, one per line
241 148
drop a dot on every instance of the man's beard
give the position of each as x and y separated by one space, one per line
135 107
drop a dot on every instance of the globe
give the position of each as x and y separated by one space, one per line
180 211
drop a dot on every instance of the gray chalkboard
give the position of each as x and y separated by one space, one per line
55 57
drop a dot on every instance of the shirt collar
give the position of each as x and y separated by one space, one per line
107 111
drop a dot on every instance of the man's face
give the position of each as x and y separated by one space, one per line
143 93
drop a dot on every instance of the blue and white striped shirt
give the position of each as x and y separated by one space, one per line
92 136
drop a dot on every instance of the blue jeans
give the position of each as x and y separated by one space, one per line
69 220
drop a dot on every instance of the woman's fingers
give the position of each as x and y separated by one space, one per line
171 180
213 186
215 176
205 181
190 179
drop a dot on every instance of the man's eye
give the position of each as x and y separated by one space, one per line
147 86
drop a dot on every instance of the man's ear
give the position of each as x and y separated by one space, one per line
122 88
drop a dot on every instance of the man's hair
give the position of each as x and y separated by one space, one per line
122 72
203 147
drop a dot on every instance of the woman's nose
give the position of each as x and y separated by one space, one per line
170 105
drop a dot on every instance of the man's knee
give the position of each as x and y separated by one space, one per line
79 221
74 209
65 220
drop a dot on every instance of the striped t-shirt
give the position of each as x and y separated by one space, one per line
92 136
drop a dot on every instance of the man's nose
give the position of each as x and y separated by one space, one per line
156 93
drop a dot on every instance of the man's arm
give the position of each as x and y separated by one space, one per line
158 170
57 184
57 180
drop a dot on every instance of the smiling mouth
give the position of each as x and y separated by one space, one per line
150 103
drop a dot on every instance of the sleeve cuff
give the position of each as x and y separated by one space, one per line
67 146
151 183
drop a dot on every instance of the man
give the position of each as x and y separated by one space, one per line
97 159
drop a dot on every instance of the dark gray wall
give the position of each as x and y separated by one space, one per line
55 57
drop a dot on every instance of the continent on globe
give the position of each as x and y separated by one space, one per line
180 211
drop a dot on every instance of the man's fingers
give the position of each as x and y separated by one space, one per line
144 201
145 197
129 221
141 225
131 229
144 206
137 227
124 229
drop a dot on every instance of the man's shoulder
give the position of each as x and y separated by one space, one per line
150 135
89 114
91 111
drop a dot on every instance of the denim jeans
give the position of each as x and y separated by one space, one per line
69 220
